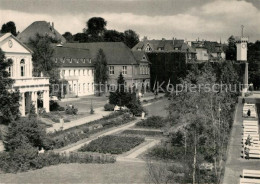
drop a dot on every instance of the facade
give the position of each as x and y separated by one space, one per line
43 28
30 88
208 51
164 45
241 43
76 68
134 66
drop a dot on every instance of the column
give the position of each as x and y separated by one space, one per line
246 76
34 98
22 104
46 101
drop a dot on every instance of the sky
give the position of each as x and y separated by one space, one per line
156 19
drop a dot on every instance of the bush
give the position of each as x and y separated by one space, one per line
112 144
71 110
109 107
54 106
164 153
152 122
26 158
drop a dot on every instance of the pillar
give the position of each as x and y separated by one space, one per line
22 104
34 98
246 75
46 101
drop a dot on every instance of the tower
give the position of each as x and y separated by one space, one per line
241 44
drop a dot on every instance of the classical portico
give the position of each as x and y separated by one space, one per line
30 88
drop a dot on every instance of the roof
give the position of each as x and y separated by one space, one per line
72 57
117 53
212 47
42 28
139 56
165 45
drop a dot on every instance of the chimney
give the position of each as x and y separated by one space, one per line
145 38
52 25
173 40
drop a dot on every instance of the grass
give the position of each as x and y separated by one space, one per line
112 144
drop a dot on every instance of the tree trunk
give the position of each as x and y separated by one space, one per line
194 161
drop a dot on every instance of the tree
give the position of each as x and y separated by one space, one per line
131 38
101 70
113 36
68 36
9 100
231 49
96 27
9 27
42 60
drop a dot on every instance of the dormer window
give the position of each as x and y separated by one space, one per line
77 60
144 58
89 60
63 60
70 60
84 60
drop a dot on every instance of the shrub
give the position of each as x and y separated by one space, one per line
152 122
54 106
112 144
27 157
109 107
164 153
71 110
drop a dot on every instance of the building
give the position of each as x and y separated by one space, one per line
164 45
208 51
43 28
30 88
76 68
134 65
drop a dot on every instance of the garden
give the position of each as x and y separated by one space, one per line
112 144
152 122
142 133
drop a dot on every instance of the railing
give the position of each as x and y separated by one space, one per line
39 81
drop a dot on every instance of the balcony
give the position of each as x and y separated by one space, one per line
32 81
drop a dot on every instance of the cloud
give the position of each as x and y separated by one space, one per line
212 21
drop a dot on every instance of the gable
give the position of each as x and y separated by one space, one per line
144 58
11 45
148 47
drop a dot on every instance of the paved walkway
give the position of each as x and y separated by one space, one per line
99 113
235 164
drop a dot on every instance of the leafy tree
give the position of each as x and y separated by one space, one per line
80 37
113 36
101 70
68 36
96 27
26 131
9 27
131 38
253 63
9 100
231 49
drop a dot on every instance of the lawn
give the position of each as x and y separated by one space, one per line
121 172
112 144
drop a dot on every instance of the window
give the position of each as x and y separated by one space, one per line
10 71
124 72
75 87
22 63
88 71
84 72
92 86
92 72
79 72
69 73
88 86
84 87
74 72
111 70
79 87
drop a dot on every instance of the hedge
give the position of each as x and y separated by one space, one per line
143 132
112 144
152 122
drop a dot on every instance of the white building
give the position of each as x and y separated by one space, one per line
30 88
77 69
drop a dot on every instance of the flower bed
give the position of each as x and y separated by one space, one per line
75 134
26 159
142 132
152 122
112 144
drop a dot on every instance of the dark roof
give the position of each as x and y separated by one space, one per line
72 57
139 56
117 53
42 28
167 45
212 47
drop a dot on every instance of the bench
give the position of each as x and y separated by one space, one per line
249 130
249 181
251 173
252 136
